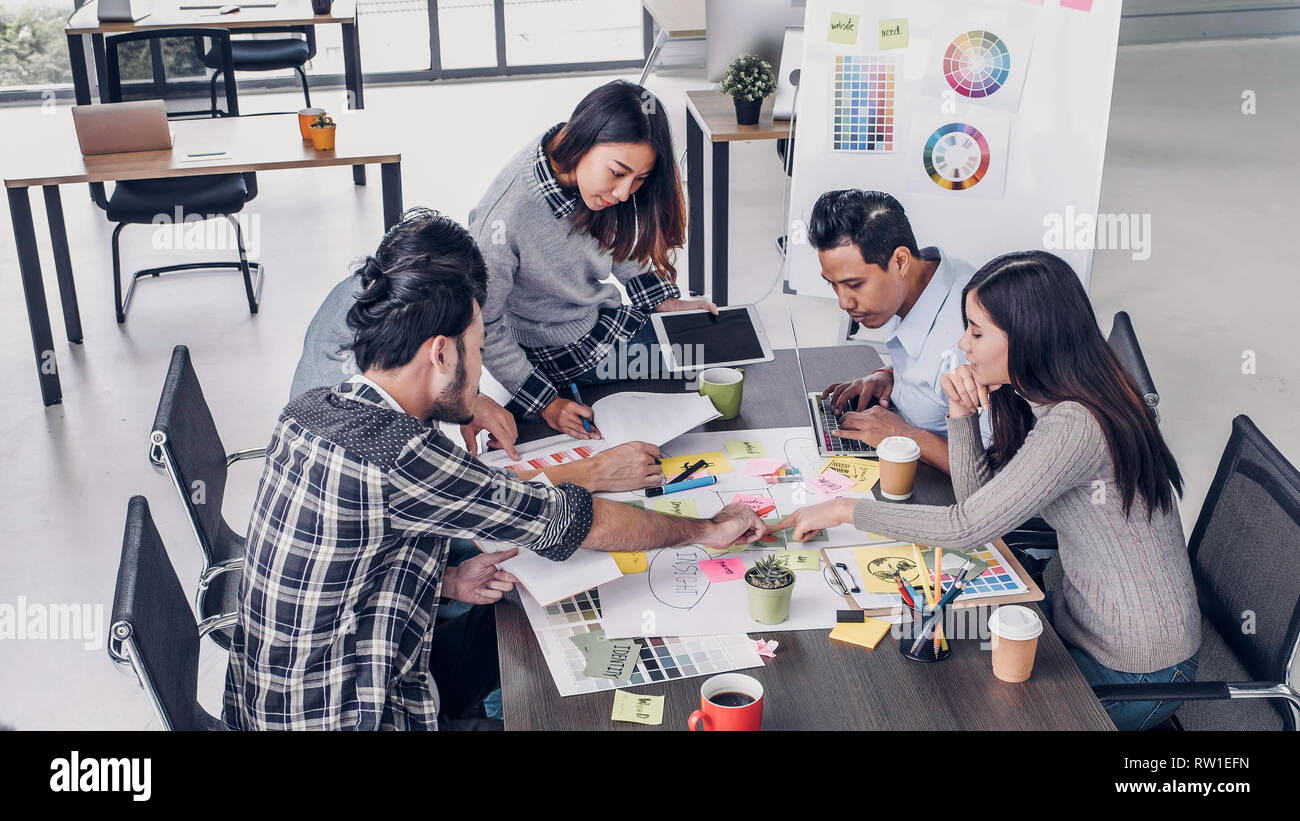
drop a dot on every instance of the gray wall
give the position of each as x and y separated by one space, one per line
1152 21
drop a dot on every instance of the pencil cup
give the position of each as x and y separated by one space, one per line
924 650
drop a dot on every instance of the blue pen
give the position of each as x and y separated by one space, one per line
573 386
910 591
676 486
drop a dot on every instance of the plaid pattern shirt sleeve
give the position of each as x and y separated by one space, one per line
649 290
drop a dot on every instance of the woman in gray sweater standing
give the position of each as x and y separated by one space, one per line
1074 443
596 195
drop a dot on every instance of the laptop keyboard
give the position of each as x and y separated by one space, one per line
831 422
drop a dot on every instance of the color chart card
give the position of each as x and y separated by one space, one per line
662 658
863 115
985 64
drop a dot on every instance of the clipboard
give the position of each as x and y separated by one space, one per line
1032 594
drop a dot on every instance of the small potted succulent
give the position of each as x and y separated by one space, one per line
749 79
771 586
322 132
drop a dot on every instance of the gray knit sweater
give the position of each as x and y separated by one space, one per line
1128 598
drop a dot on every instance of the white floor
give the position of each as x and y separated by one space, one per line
1213 179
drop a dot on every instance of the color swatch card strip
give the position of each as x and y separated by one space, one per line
864 98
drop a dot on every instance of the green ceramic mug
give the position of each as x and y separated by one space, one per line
725 387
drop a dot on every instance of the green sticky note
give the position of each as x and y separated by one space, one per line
893 33
675 507
615 660
844 29
745 450
637 707
633 504
584 641
799 559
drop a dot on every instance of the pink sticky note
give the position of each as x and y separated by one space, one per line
762 467
831 483
758 503
729 569
1081 5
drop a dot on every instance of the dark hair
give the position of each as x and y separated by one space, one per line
422 282
872 220
1056 353
655 225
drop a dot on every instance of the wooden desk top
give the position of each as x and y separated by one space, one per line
679 18
813 684
168 14
50 155
717 117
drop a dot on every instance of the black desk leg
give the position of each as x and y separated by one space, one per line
63 263
695 216
390 178
81 92
101 80
352 80
721 189
38 314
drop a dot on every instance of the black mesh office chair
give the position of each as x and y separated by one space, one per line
153 630
262 55
208 196
1245 553
184 444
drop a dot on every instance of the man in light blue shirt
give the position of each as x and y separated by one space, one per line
869 255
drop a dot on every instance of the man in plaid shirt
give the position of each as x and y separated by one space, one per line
361 496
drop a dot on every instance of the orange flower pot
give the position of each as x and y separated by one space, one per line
306 117
323 138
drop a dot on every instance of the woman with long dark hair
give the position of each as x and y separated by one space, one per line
1072 442
595 195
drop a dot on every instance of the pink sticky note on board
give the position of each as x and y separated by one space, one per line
1081 5
831 482
758 503
762 467
729 569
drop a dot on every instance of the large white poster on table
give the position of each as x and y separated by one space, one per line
987 119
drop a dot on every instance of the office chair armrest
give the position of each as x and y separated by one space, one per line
217 623
246 453
228 566
1197 691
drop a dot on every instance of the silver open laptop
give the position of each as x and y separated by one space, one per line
823 418
115 128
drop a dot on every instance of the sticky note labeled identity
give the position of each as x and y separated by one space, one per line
729 569
763 467
831 483
893 33
865 635
760 504
799 559
865 472
844 29
638 708
716 463
675 507
631 562
615 660
745 450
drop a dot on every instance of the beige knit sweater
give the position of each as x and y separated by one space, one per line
1128 598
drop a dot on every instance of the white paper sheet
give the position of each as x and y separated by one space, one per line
651 417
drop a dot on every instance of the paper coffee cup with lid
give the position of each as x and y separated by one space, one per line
898 456
1015 632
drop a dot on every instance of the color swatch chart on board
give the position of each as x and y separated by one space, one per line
997 580
863 117
661 659
976 64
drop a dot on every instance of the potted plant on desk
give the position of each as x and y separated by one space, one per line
771 586
749 79
322 132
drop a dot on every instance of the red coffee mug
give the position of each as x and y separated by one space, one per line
714 716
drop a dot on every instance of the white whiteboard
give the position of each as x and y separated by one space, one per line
1055 138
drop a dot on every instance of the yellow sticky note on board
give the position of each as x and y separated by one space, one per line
675 507
877 566
844 29
866 635
638 708
865 472
893 33
631 562
745 450
716 463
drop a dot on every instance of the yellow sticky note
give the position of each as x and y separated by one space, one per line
799 559
675 507
865 635
865 472
746 450
631 562
844 29
638 708
877 566
716 462
893 33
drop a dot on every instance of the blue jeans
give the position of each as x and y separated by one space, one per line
613 365
1130 715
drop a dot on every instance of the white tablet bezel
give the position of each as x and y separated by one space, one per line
666 349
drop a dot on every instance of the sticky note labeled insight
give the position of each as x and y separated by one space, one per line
760 504
745 450
723 570
631 562
614 660
865 635
844 29
893 33
716 463
638 708
799 559
675 507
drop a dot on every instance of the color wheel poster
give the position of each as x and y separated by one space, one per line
983 64
959 155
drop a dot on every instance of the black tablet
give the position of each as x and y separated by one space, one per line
691 340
